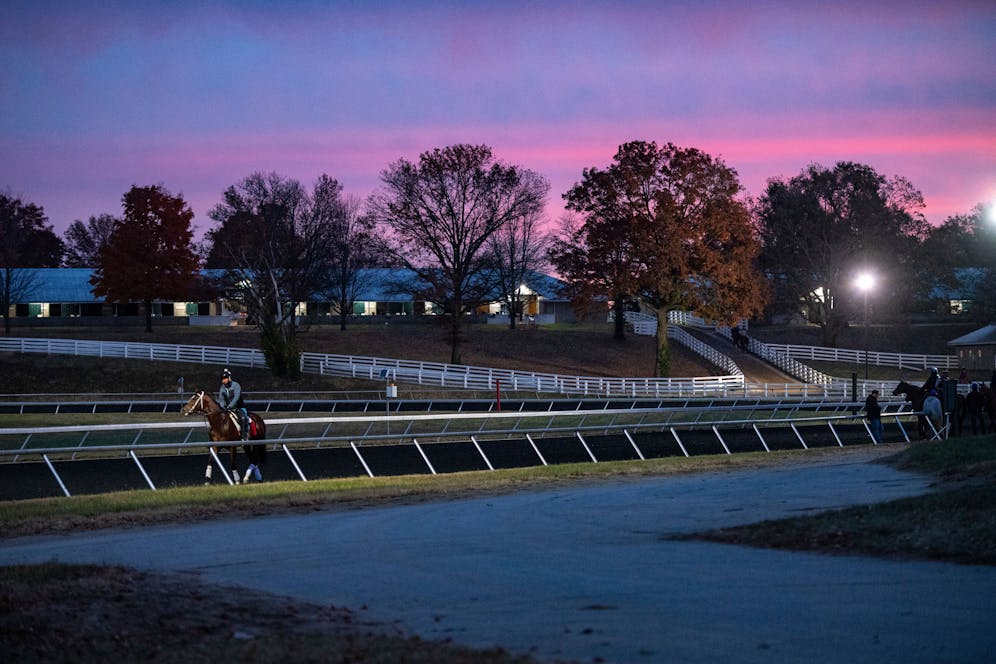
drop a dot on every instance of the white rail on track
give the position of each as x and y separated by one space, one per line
898 409
788 420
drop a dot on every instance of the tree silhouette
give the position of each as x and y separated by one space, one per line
437 216
823 226
85 241
26 241
149 255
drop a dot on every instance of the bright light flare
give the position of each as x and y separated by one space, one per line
865 282
989 214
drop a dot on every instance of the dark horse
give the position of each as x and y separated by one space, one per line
223 426
916 395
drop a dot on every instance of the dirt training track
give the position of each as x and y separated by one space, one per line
592 572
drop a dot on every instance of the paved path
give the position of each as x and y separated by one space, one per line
589 572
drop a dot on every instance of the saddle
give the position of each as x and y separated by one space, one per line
234 417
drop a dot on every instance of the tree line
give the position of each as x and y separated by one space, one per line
664 226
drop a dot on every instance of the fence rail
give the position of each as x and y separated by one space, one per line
238 357
646 325
552 443
479 378
851 356
447 425
372 368
816 384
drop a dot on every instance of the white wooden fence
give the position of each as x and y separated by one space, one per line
374 368
816 385
851 356
236 357
646 325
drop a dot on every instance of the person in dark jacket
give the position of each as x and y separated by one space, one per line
931 382
975 405
230 397
873 412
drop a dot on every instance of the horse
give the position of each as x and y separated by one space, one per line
223 427
916 395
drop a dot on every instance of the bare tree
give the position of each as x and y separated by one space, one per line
84 242
352 249
437 216
517 249
273 241
26 241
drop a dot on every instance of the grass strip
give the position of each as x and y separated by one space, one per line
956 523
135 508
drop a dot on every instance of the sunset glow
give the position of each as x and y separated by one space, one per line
98 98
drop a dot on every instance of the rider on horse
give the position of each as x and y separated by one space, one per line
230 397
931 382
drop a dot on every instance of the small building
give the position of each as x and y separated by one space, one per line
959 295
65 296
977 350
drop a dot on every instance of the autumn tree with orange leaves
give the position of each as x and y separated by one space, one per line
667 225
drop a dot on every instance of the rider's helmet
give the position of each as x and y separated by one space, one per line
226 374
933 370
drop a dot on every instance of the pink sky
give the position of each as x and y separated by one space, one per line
94 99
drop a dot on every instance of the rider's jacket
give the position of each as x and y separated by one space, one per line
230 396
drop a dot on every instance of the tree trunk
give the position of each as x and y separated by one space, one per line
619 319
835 323
512 306
662 364
6 321
455 327
148 315
456 323
342 319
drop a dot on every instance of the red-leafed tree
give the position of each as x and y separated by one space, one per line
665 224
150 254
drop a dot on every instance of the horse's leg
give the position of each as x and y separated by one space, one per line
207 471
235 470
253 453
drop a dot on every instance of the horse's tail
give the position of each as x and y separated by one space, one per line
257 453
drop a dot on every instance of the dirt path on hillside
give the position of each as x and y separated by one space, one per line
755 369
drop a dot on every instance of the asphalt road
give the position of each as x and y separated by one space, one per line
589 572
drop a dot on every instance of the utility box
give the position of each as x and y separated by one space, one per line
392 391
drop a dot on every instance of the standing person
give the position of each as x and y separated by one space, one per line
989 407
931 382
975 405
873 412
932 409
963 376
230 396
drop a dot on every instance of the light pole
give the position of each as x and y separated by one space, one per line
865 282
